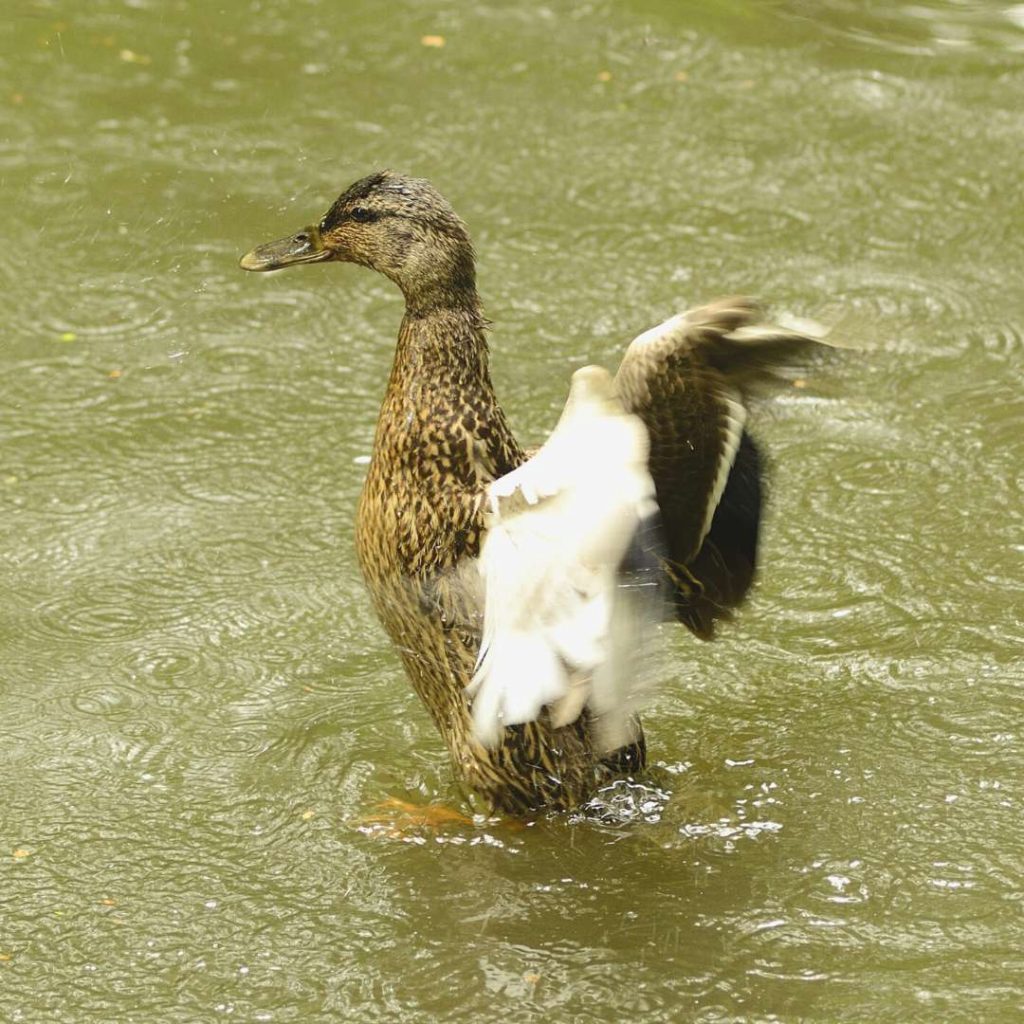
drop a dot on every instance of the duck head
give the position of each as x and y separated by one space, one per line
399 226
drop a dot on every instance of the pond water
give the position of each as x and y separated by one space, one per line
204 734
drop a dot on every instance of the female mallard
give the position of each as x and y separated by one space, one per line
435 484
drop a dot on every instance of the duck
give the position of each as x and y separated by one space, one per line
516 586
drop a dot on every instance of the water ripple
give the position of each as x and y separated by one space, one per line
100 610
111 307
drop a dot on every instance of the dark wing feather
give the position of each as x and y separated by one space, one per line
689 380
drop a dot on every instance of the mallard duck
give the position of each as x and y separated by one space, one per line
445 464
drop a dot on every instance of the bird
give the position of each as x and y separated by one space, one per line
518 586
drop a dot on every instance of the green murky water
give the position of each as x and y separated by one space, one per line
197 708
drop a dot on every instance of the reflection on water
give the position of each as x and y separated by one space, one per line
221 798
936 29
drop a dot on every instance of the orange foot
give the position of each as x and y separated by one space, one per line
400 819
411 823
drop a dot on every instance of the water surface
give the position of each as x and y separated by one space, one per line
199 715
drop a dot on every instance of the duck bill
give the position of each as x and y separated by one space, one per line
306 246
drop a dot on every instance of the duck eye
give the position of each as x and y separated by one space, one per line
363 215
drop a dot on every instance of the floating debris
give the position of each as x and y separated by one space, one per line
131 57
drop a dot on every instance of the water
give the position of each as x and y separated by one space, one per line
200 716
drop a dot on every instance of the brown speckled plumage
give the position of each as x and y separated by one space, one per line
442 438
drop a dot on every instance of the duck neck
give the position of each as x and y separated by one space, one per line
443 342
437 275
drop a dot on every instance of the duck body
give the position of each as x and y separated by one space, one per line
443 447
441 439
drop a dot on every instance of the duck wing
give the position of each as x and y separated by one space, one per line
690 380
566 585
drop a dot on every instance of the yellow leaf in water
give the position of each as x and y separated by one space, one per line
530 978
437 41
69 336
604 76
108 903
21 853
306 815
682 76
4 957
114 374
131 57
799 383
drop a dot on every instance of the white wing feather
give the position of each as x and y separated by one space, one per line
558 629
